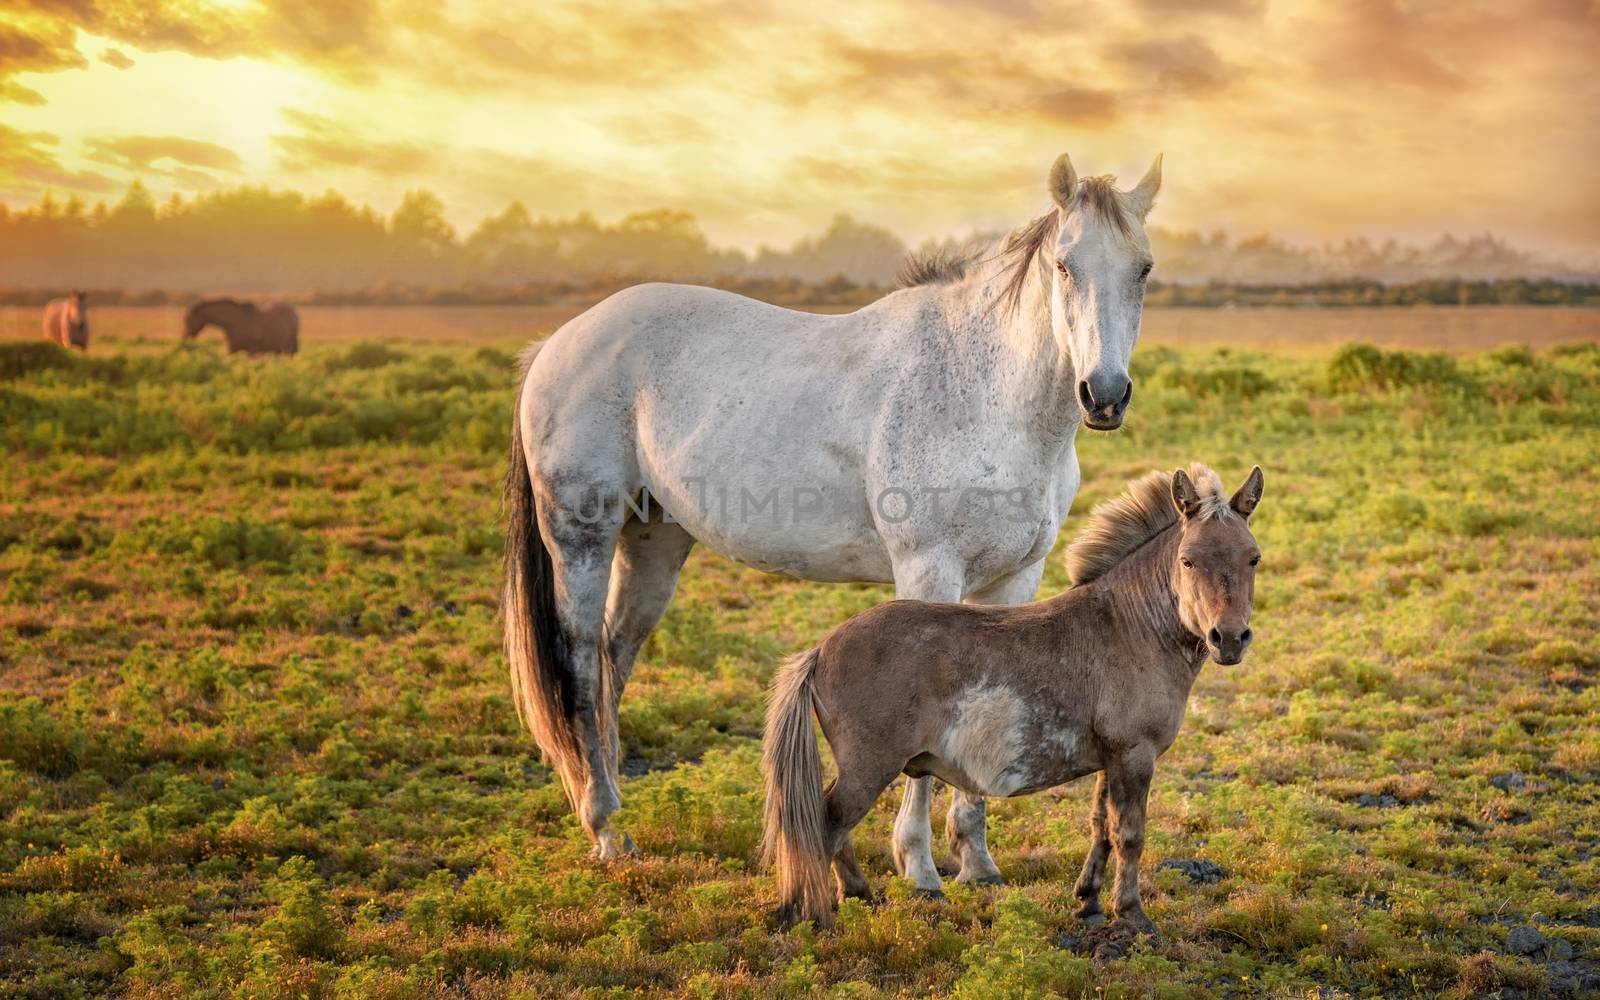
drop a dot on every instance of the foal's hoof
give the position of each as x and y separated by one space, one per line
1093 920
936 894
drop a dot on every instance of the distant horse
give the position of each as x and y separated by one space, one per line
273 330
926 440
1015 700
66 321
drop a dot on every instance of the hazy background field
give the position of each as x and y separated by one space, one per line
1431 328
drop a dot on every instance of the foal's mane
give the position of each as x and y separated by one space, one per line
1020 247
1124 523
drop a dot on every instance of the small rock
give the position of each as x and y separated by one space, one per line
401 611
1377 801
1513 782
1070 942
449 608
218 784
1200 872
1573 979
1524 940
354 620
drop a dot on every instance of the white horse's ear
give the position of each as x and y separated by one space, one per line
1063 181
1143 196
1244 502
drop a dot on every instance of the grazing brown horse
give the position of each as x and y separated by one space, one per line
66 321
1009 700
273 330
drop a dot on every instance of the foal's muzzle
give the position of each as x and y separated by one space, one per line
1228 646
1104 401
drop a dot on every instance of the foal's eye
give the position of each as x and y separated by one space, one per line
1187 564
1255 560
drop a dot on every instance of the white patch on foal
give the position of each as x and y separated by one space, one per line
985 739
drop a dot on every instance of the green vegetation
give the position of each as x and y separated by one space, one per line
256 737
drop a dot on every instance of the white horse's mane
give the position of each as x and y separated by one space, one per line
1018 249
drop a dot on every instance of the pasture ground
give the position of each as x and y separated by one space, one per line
256 739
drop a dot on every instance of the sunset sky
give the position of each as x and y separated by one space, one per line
1312 120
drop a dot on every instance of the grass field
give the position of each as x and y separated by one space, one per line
256 736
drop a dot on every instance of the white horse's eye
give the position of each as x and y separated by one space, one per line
1145 273
1061 267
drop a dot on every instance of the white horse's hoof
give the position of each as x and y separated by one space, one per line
609 847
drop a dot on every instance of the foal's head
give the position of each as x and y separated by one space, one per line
1215 575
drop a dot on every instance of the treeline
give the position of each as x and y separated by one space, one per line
327 250
257 240
840 292
1501 292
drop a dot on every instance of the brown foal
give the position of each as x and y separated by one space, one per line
1002 701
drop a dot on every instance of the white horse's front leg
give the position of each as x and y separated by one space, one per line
966 824
933 576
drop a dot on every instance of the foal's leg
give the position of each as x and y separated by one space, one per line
1128 786
852 880
1093 875
966 824
934 575
862 778
644 573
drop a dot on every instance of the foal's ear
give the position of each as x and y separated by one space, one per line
1244 502
1063 182
1184 496
1143 195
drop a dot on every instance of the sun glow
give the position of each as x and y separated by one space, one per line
1313 121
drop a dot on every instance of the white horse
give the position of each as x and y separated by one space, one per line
925 440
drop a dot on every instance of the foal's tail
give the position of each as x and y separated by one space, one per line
542 682
794 817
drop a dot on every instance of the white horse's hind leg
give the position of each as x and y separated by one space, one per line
932 576
966 825
581 529
913 838
644 574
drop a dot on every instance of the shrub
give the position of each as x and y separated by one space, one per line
304 925
363 356
38 741
1360 367
26 357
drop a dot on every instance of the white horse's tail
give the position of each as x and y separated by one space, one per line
794 818
542 682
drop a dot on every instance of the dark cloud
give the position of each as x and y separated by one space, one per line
1375 43
138 153
322 143
1189 8
34 47
116 58
29 158
1183 65
1078 106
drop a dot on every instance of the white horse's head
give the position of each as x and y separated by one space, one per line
1100 258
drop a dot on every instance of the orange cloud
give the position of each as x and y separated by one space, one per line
142 152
